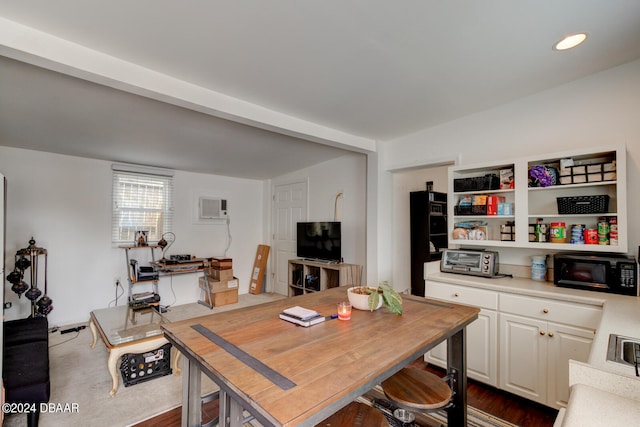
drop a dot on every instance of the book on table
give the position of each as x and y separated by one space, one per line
301 316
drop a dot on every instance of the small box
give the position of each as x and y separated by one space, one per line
218 285
579 170
479 200
508 232
221 263
505 208
222 275
506 179
609 167
609 176
597 168
492 204
594 177
566 180
579 179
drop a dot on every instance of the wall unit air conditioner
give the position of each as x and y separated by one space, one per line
209 208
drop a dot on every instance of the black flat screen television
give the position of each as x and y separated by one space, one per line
319 240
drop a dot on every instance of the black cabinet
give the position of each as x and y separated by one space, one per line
428 212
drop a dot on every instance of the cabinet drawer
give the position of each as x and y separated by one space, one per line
462 294
556 311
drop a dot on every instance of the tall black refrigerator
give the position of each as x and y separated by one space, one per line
428 212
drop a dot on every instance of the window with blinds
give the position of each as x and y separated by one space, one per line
141 202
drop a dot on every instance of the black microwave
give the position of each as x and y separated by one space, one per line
612 273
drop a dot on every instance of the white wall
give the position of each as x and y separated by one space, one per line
346 174
602 109
65 204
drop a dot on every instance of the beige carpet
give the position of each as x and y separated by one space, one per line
79 376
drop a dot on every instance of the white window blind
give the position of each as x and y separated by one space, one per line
141 202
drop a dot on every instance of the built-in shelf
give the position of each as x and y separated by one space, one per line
533 203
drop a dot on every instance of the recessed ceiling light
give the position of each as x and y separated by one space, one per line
572 40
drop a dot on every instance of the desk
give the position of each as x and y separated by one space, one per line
287 375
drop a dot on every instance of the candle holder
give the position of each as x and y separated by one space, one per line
344 310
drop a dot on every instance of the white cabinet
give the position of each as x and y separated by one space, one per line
538 337
519 343
482 334
531 204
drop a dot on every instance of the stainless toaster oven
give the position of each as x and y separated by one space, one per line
473 262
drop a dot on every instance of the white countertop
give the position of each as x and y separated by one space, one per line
620 315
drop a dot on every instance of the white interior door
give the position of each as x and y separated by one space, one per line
289 207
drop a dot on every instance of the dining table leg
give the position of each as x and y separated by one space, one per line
191 392
457 366
231 412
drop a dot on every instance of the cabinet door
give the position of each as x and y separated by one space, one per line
523 356
565 343
482 361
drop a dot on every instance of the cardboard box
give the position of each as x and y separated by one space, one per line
259 268
216 285
222 275
221 263
220 292
224 297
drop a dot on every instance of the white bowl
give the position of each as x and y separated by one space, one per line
361 302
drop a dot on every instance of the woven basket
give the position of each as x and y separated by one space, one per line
583 205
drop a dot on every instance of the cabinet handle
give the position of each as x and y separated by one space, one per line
545 310
551 334
543 333
456 295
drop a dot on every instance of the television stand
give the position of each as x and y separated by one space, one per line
317 275
320 261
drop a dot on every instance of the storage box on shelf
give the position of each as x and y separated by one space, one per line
570 191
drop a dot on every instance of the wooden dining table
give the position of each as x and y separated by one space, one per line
288 375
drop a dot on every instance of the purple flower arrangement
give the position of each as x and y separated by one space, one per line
542 176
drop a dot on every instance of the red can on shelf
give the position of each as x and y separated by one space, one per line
591 236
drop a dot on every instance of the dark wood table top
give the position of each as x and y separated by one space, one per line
292 375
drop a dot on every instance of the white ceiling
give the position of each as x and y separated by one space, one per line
257 89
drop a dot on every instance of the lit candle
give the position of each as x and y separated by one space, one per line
344 310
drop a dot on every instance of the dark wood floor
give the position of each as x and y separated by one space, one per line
514 409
